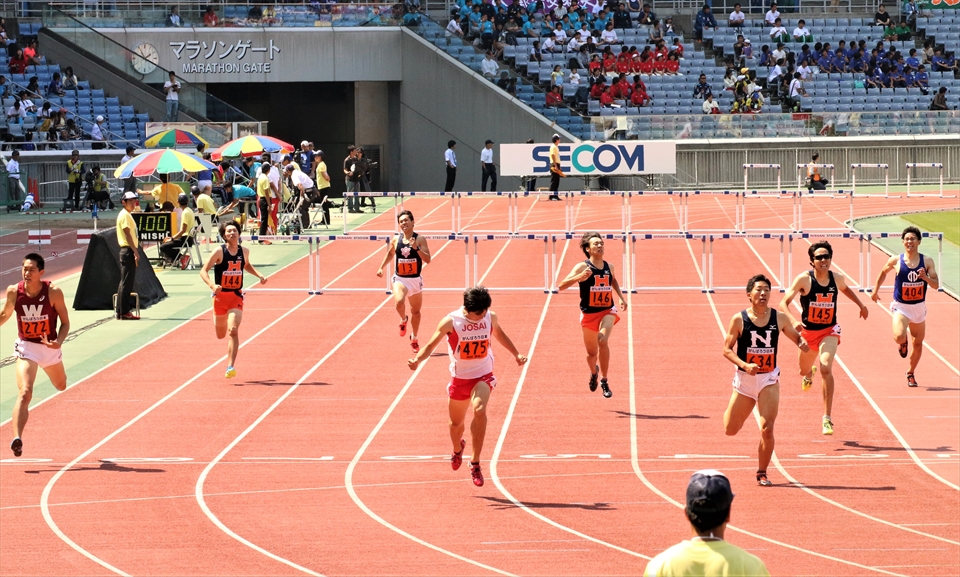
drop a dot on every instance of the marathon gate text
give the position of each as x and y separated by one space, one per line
591 158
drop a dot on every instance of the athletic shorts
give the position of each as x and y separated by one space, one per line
814 338
592 320
41 354
202 184
225 301
915 313
460 389
414 284
750 385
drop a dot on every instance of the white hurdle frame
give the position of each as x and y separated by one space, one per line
624 276
886 177
711 287
547 268
778 194
800 175
877 235
313 247
747 167
682 213
911 165
570 209
396 211
703 261
738 210
801 194
864 268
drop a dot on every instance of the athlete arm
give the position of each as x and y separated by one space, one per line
444 328
423 249
730 345
7 311
616 288
889 266
248 266
504 340
784 321
56 299
798 287
386 258
579 273
851 294
214 259
929 273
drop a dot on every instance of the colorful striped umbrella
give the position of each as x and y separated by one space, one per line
173 138
163 161
253 145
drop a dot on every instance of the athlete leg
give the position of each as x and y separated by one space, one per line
591 342
603 342
234 316
900 326
737 412
57 375
220 325
26 375
478 426
917 331
400 299
768 405
458 412
828 350
415 303
807 361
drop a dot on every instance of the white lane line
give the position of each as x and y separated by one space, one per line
506 427
634 449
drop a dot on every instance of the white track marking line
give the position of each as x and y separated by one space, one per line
45 496
506 426
634 450
18 247
140 348
789 477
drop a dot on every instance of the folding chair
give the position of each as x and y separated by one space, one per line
189 256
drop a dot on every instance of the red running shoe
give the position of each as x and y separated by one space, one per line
457 458
762 479
476 474
403 327
911 380
415 345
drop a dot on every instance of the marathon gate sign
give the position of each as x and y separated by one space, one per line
591 158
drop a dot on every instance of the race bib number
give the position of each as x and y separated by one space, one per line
231 281
473 350
821 313
762 357
911 291
601 296
406 266
35 329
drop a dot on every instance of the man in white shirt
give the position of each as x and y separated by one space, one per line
772 15
489 66
172 88
303 184
450 159
801 33
779 53
453 28
487 167
560 34
778 31
737 17
549 44
13 172
129 183
804 71
96 134
573 46
796 86
774 77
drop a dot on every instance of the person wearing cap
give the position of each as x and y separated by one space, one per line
170 247
96 134
487 167
302 185
555 172
709 499
755 101
74 179
305 157
98 189
205 204
752 344
129 255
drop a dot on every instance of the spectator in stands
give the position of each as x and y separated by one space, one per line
608 36
672 66
173 18
875 80
655 35
729 79
55 87
838 62
31 51
857 63
16 113
796 90
489 66
18 61
737 17
911 12
943 63
210 19
26 103
554 97
606 99
704 19
639 96
4 87
486 33
766 57
599 86
702 88
677 47
96 134
921 80
646 16
780 53
621 17
620 89
70 81
825 62
172 88
535 54
33 87
804 71
709 106
549 44
801 33
912 63
940 100
71 131
774 77
453 27
778 33
507 84
3 30
770 19
738 50
882 18
897 32
926 57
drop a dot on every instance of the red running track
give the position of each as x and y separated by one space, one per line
580 484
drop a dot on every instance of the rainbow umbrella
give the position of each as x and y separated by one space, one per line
174 138
163 161
253 145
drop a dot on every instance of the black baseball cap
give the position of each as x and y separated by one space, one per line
488 142
709 492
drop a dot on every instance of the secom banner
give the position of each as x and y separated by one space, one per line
591 158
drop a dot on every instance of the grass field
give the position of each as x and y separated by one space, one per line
947 222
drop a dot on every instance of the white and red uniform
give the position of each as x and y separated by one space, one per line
36 317
471 354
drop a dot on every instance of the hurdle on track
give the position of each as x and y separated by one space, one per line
911 165
711 287
863 278
680 209
748 167
776 195
570 209
800 168
886 177
513 208
737 211
313 246
876 235
547 263
624 277
358 195
812 194
634 288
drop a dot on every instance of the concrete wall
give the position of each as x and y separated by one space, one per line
441 100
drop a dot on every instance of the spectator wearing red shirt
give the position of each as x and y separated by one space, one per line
677 47
595 63
554 98
598 89
609 63
639 96
660 66
623 66
210 19
606 100
33 56
672 65
18 62
617 89
646 66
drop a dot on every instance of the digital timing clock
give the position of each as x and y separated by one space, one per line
145 58
153 226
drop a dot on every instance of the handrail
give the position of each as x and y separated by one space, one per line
56 18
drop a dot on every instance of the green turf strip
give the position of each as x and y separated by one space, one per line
947 222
